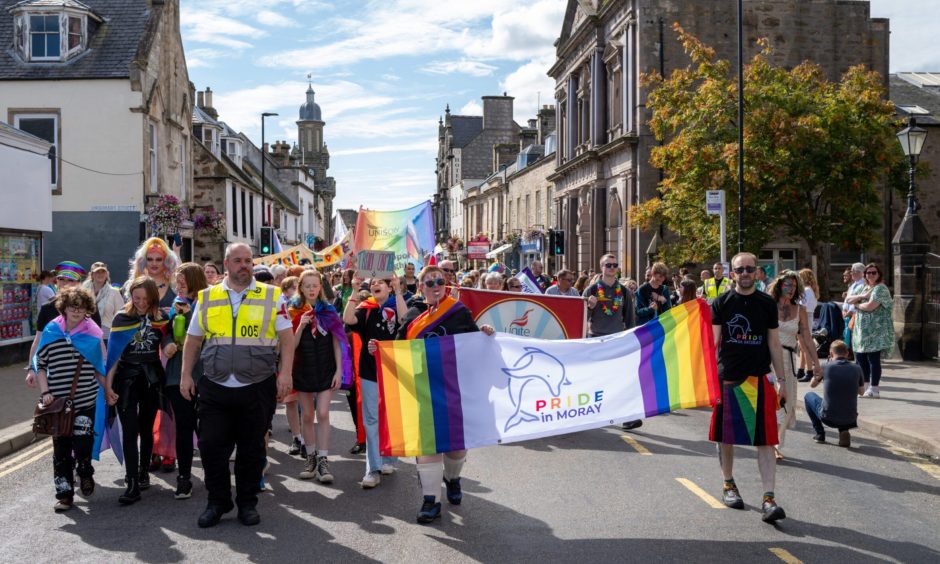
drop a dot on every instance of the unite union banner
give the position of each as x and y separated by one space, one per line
528 315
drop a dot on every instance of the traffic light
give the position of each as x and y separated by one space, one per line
267 240
558 242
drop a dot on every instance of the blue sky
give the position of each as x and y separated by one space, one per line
384 70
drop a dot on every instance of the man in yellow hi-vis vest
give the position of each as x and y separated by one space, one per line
714 287
238 325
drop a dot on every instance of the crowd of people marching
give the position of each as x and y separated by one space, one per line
179 350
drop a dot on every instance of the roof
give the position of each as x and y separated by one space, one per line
10 130
465 129
910 99
201 117
349 217
111 48
310 110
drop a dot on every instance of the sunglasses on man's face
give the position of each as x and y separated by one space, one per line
611 265
449 270
435 282
743 269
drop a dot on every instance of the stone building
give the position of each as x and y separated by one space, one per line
470 148
105 82
602 162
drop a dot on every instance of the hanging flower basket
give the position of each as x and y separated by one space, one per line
210 223
513 238
534 233
454 244
165 216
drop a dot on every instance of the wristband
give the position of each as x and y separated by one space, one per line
44 393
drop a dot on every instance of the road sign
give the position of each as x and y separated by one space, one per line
714 202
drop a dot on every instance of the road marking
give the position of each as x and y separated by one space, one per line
784 554
41 445
917 461
636 445
12 469
693 487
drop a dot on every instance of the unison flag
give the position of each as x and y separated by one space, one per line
529 284
471 390
408 233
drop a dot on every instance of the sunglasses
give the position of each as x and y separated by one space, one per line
611 265
449 270
743 269
435 282
871 273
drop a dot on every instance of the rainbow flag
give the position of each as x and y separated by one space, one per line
472 390
408 233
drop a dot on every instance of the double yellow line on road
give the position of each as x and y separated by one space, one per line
36 452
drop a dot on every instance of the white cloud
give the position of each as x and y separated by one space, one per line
464 66
428 146
471 108
515 32
199 58
530 84
274 19
217 30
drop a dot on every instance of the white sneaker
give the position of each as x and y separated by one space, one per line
869 393
874 392
369 481
387 470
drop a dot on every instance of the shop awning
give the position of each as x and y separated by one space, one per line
499 250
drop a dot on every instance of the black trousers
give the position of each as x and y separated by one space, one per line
137 408
184 416
67 451
230 417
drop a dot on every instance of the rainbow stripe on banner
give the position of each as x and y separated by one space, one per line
675 373
419 398
471 390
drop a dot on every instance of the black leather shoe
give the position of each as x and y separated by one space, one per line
249 516
131 494
144 480
211 516
630 425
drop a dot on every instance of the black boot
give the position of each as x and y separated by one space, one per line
143 482
132 493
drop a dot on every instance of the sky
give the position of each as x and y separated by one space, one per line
383 72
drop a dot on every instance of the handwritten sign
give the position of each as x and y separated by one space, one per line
375 264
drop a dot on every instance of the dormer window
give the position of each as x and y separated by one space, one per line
46 32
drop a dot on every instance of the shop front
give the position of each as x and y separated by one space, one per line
26 165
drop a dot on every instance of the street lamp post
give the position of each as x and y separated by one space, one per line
910 246
740 126
264 212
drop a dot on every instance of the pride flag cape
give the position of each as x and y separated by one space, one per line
473 390
107 425
86 338
330 320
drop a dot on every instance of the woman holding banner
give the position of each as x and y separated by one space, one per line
374 319
444 316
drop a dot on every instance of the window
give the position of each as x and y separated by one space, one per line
44 37
234 215
251 215
538 207
182 168
244 216
526 223
153 158
75 34
46 127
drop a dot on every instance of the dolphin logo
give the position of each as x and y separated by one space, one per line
524 320
739 326
538 368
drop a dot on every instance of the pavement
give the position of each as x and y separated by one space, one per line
907 413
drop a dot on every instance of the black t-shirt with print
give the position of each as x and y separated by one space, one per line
745 321
380 324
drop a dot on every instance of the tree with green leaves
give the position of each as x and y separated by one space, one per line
816 154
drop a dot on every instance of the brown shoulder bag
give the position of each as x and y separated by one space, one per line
56 419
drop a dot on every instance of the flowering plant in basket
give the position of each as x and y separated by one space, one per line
166 215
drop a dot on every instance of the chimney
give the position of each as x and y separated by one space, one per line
200 100
532 123
497 112
546 122
209 108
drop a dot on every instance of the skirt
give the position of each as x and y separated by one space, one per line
746 414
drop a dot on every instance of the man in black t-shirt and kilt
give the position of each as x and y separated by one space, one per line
744 325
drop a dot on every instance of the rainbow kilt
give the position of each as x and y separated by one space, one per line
746 414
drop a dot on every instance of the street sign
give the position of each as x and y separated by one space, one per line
714 202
